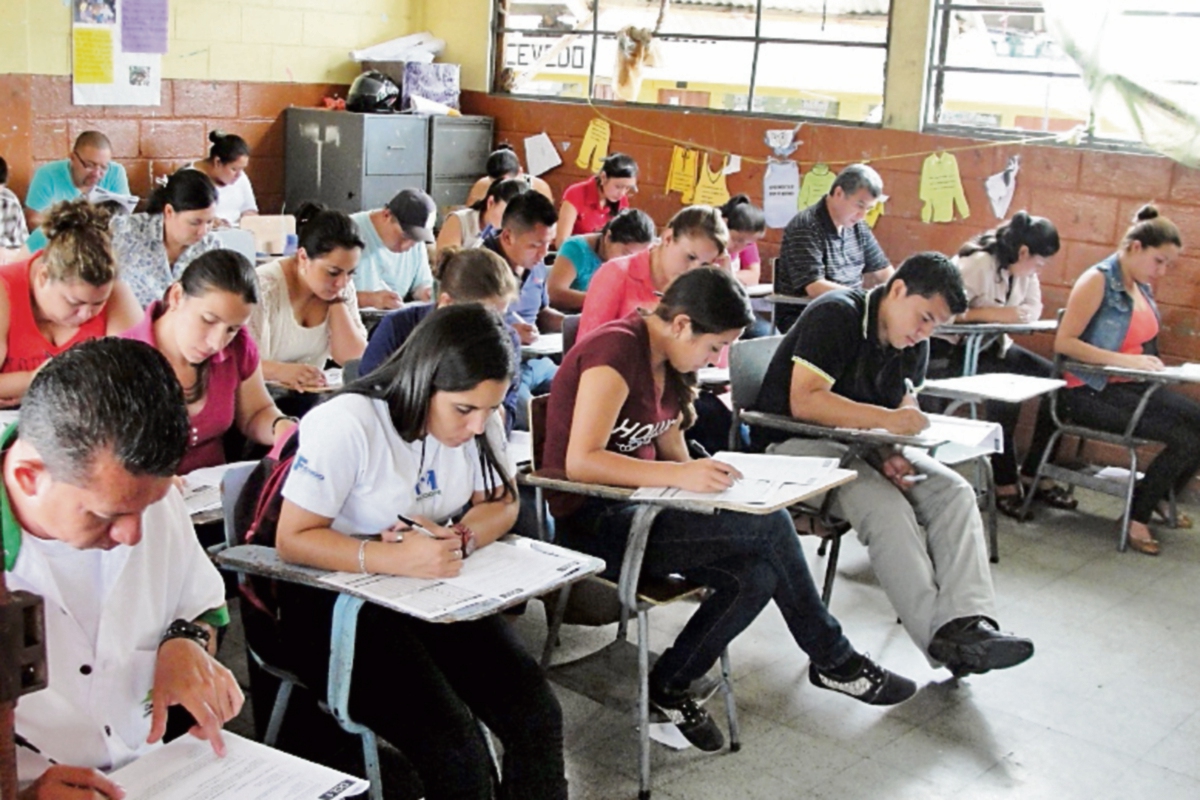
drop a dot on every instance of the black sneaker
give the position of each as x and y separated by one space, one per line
869 682
975 645
696 725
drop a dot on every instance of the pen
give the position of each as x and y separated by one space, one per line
700 451
21 741
914 478
416 526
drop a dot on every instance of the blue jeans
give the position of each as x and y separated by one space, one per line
536 374
747 560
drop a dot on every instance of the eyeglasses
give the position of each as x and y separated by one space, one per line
89 166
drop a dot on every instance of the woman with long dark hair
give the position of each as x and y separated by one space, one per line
587 205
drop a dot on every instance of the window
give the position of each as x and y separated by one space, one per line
812 58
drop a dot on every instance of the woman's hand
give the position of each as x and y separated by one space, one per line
1142 362
418 555
706 475
300 376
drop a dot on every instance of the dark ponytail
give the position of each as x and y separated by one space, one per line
501 191
227 147
1005 241
743 216
186 190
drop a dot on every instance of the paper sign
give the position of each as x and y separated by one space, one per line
144 26
780 140
93 55
781 189
734 164
540 154
1002 186
941 189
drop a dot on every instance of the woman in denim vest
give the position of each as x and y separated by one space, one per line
1111 320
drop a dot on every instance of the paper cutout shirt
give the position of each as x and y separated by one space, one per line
941 189
594 148
710 186
816 185
1002 186
682 177
781 190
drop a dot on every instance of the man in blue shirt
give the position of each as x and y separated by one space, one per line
89 166
395 263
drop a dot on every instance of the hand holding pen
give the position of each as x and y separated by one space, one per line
61 781
435 553
706 474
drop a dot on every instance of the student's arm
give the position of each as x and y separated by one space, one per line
12 384
186 674
999 314
811 399
478 191
602 392
671 446
422 285
1082 304
558 284
124 311
749 272
604 296
347 340
877 269
567 214
451 233
490 518
879 277
61 782
549 320
255 412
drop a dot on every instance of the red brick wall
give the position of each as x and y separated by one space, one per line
40 124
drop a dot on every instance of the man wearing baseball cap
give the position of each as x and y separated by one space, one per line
394 266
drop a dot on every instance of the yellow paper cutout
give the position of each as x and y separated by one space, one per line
682 177
594 148
874 214
710 188
93 56
816 184
941 189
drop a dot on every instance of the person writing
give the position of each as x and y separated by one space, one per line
469 226
588 205
503 164
747 226
420 437
307 311
395 261
628 233
60 296
226 168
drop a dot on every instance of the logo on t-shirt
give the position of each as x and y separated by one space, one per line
629 436
427 485
301 465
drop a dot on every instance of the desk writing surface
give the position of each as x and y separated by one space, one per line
1182 373
846 435
1001 386
788 300
1011 328
760 290
547 344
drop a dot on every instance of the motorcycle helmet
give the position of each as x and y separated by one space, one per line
372 93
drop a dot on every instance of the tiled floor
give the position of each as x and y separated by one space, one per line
1109 707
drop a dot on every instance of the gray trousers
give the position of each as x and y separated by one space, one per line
926 545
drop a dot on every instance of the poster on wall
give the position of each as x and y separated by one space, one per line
116 52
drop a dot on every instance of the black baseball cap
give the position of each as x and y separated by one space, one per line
416 212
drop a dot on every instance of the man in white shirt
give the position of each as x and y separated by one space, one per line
394 265
92 522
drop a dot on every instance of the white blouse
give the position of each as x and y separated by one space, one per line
279 335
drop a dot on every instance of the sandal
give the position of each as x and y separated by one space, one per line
1010 505
1182 520
1147 547
1056 497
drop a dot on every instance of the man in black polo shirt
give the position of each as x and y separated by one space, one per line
828 246
853 360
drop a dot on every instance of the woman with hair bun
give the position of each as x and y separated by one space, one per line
1000 275
503 164
1111 320
62 295
747 225
226 168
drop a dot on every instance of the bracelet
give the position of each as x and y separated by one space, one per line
469 544
183 629
275 422
362 556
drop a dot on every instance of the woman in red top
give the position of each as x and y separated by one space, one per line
588 205
62 295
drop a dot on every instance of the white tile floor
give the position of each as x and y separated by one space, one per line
1109 707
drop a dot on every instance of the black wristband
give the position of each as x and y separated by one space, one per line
275 422
182 629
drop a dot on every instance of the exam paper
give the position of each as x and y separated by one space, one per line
128 202
547 344
763 478
187 769
202 487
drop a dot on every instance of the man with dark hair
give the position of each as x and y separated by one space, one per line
828 245
394 266
527 230
89 166
854 359
13 231
92 522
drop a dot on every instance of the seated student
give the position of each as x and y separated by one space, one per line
523 240
395 262
63 295
851 361
612 421
154 247
226 168
1111 319
421 436
747 226
1000 275
89 166
628 233
503 164
13 231
588 205
695 236
307 312
468 226
132 601
201 328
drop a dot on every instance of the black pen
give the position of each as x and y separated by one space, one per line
416 526
698 450
21 741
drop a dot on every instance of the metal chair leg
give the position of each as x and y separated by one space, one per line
993 522
277 712
370 749
560 610
1123 541
735 740
643 705
835 547
1037 476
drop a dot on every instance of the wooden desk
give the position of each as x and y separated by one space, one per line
979 336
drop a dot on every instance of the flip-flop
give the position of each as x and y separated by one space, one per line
1182 520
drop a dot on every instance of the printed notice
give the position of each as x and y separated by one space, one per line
144 26
93 55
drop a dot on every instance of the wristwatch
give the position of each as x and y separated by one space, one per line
182 629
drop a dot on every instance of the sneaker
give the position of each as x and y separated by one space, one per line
870 683
696 725
975 645
704 687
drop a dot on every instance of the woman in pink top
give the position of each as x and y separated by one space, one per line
747 225
695 236
201 329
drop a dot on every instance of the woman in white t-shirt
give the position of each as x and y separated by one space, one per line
421 436
468 226
226 168
307 310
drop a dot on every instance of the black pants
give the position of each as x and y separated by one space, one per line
1169 418
1018 361
421 686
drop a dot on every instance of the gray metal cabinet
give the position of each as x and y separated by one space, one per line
458 151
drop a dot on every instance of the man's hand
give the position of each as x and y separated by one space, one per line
72 783
185 675
383 298
896 468
527 332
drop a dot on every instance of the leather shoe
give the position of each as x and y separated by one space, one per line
1147 547
975 645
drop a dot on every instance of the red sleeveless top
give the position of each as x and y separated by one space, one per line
28 348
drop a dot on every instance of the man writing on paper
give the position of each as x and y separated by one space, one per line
852 360
92 522
89 165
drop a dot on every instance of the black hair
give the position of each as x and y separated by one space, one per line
715 302
501 191
322 230
629 226
1005 241
186 190
930 274
110 394
528 210
1151 229
453 350
227 147
3 171
742 215
619 165
503 162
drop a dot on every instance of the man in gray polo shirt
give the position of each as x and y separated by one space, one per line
828 246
